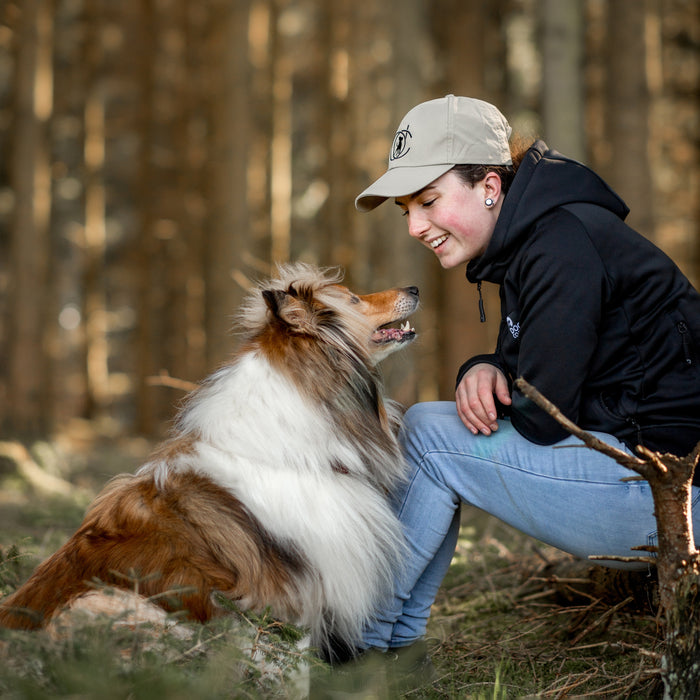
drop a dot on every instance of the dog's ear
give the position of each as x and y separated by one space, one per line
274 298
289 309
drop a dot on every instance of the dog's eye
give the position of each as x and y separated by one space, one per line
354 299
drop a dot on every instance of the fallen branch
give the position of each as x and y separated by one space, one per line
164 379
33 473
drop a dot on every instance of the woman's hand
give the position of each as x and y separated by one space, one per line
474 396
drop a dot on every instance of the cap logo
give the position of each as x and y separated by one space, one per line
401 145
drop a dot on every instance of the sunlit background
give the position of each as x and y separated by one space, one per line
155 157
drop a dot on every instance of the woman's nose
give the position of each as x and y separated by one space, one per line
417 225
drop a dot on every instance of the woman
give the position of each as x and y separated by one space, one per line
593 315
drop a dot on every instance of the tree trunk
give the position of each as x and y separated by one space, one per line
628 110
94 238
31 180
678 565
682 625
674 146
562 76
225 275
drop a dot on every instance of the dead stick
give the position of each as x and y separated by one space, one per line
164 379
603 618
592 441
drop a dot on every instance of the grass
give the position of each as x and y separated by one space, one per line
506 623
106 661
507 626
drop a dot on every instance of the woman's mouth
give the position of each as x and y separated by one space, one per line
438 242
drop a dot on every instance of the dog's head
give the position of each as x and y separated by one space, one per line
326 342
307 302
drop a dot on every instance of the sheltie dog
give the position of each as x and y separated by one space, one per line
273 489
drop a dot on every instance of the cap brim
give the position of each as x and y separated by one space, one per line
399 182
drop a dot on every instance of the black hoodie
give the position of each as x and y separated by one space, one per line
593 315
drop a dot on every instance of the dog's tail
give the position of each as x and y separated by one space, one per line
124 541
97 553
52 586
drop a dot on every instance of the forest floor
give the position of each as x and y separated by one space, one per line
514 618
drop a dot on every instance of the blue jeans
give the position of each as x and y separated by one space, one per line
572 499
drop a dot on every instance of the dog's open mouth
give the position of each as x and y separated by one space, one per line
386 334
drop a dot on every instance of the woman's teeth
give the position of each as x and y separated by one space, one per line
438 241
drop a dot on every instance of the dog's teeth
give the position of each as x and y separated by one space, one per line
406 326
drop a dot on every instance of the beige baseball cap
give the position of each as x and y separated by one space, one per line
435 136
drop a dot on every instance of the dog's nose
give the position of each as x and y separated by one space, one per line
413 291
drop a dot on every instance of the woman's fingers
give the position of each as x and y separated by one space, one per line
474 397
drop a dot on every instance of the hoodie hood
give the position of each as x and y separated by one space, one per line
545 180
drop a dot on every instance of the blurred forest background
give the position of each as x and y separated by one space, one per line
156 156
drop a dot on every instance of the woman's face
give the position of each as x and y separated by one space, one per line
450 217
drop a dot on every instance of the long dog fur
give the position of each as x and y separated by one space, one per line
273 489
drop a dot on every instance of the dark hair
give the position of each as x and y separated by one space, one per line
471 174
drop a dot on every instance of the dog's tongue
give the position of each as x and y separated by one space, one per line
382 335
385 335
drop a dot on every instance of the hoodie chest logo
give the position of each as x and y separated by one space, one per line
514 328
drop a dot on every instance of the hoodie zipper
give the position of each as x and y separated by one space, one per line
637 429
683 330
482 314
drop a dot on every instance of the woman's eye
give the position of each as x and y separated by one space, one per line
429 203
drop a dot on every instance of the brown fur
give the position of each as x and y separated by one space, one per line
160 540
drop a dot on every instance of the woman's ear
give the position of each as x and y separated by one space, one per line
492 186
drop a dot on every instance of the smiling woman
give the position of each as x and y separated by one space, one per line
597 318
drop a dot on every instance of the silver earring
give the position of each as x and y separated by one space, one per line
489 202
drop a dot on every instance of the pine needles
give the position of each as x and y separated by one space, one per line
505 626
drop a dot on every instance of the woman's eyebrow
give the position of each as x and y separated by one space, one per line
414 195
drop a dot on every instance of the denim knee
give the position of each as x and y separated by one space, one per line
419 417
416 425
424 433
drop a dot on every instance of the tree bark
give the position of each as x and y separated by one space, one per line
94 233
562 76
228 238
145 364
31 180
627 98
